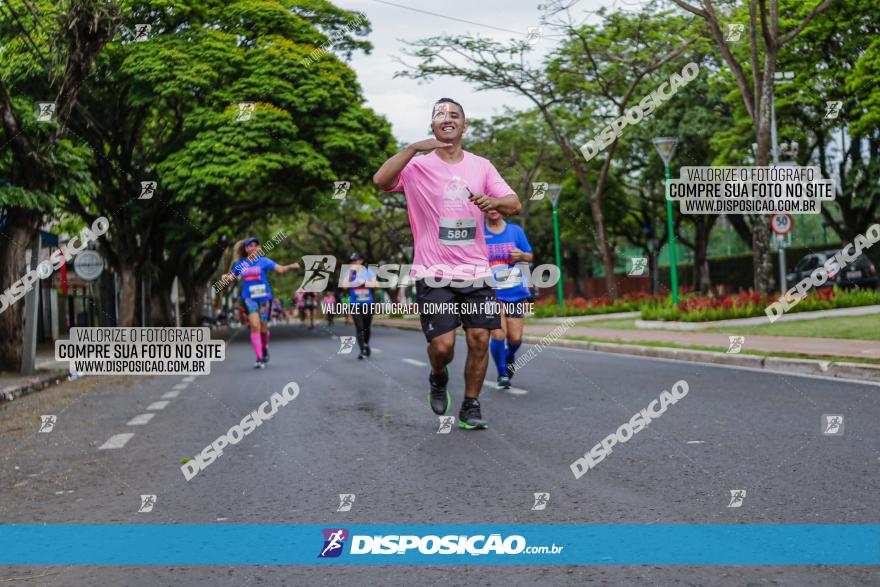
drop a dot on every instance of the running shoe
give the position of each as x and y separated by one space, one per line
367 350
438 397
259 364
361 355
470 417
503 382
511 369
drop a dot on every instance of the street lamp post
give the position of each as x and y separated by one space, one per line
553 192
779 77
665 148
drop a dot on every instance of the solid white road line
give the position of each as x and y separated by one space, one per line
415 362
116 441
160 405
170 394
141 419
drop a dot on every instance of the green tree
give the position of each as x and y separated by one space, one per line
173 106
589 80
765 41
48 53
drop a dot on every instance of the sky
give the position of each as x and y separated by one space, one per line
407 103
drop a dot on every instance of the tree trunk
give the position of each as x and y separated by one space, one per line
21 227
702 231
191 312
761 255
160 303
129 297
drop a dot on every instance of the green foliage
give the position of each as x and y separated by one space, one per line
693 308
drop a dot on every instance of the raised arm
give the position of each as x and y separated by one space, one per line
286 268
386 177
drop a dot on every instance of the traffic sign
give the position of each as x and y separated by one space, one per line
781 223
88 265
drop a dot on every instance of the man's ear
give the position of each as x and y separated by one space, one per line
465 128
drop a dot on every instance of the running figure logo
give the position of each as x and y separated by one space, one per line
736 344
639 264
832 424
832 109
736 498
346 500
539 190
245 111
346 344
45 111
318 270
340 189
147 503
148 188
446 423
734 32
47 423
334 540
142 32
541 501
534 35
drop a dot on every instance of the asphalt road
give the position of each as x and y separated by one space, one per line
364 427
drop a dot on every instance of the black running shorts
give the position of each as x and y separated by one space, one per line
516 309
445 308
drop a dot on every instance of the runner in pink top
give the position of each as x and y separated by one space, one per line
437 195
448 191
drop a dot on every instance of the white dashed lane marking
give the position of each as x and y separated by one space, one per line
170 394
141 419
181 386
189 379
160 405
116 441
414 362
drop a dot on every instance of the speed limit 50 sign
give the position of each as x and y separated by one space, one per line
781 223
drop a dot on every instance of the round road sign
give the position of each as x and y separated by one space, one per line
781 223
88 265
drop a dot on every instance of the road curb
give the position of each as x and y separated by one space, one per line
33 383
842 370
837 369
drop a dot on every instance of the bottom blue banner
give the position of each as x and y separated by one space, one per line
587 544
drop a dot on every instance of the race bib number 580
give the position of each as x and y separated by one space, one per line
458 231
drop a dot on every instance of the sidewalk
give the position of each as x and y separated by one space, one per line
49 372
828 347
821 348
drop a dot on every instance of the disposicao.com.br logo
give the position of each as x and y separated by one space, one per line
334 540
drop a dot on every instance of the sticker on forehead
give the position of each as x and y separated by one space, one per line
457 231
441 111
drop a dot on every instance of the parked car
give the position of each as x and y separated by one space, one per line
859 273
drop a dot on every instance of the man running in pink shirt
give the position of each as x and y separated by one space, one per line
448 191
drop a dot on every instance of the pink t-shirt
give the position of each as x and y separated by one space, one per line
447 227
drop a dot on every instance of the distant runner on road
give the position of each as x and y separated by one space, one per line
360 283
508 247
256 295
448 191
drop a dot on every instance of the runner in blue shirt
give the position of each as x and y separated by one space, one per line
508 247
256 295
360 283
